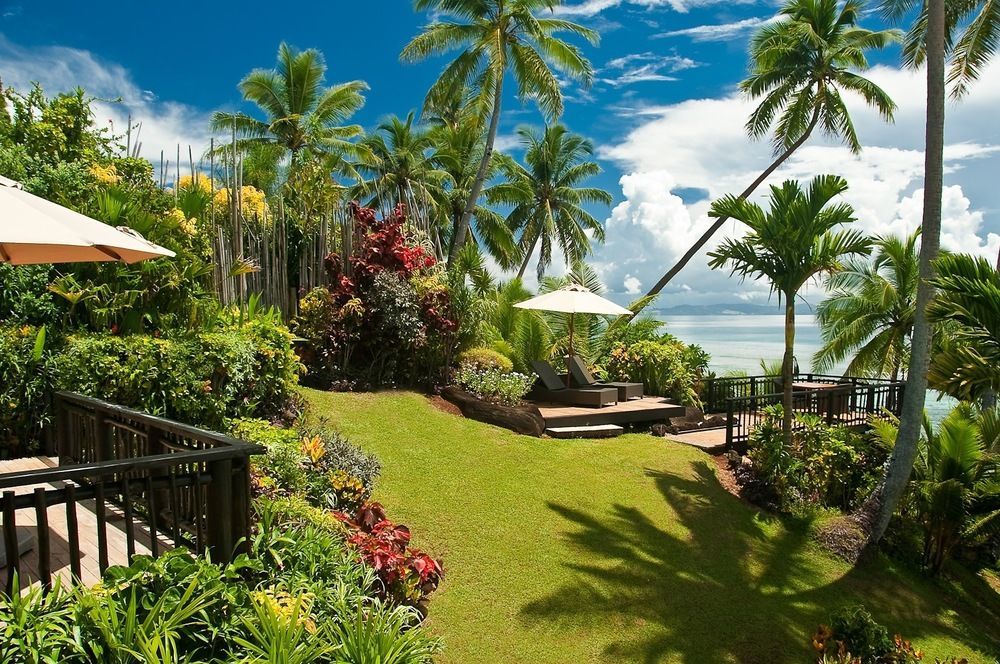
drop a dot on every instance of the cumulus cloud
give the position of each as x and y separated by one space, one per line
632 285
165 124
676 148
594 7
718 31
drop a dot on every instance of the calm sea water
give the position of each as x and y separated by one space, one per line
740 342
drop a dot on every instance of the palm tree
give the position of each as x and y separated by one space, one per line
300 114
799 66
869 313
789 244
930 40
968 301
954 491
496 36
458 148
546 199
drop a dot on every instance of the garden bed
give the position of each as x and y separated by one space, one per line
524 419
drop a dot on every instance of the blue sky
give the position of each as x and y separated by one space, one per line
663 113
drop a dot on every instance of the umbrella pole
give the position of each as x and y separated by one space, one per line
568 372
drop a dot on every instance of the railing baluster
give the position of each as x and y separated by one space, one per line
42 537
129 517
11 547
73 528
102 526
154 543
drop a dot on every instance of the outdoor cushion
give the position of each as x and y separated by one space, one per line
583 378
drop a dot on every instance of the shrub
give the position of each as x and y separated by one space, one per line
199 379
24 389
502 387
660 365
485 358
855 637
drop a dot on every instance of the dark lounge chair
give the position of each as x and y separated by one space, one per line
550 387
582 377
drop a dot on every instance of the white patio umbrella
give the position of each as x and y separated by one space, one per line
34 230
574 299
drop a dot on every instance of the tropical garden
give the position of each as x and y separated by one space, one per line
329 280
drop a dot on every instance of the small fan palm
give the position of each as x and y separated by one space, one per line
869 313
496 38
299 113
799 67
789 244
547 201
968 302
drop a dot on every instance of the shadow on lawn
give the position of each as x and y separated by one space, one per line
717 587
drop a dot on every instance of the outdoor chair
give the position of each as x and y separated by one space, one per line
581 377
550 387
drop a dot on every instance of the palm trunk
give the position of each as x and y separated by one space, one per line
887 496
527 258
703 240
786 369
462 227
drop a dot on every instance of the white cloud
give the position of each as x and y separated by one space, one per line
632 285
701 144
594 7
641 67
717 32
165 124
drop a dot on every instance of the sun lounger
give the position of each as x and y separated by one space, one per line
581 377
550 387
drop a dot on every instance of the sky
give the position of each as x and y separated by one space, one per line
664 113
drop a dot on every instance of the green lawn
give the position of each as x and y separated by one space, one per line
620 550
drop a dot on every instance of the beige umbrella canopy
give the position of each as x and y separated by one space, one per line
34 230
574 299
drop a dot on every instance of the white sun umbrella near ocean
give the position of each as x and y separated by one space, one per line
574 299
34 230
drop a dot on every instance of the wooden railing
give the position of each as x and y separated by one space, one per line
177 484
846 404
718 390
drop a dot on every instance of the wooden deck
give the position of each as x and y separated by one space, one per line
647 409
59 532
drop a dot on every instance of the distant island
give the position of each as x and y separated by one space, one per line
730 309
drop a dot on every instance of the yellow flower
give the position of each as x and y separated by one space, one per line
199 181
104 174
253 203
314 448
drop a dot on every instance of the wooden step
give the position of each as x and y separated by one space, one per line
592 431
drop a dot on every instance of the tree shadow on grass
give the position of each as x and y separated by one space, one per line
706 580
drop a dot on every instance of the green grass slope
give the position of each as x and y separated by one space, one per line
619 550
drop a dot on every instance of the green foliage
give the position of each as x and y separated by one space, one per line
824 466
24 388
662 366
381 633
24 295
503 387
200 379
36 627
485 358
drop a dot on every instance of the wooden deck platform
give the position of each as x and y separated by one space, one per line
59 532
647 409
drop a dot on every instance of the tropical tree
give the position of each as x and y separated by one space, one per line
789 244
868 315
799 66
546 199
955 493
967 366
496 37
299 113
968 32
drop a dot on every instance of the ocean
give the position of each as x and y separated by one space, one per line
741 342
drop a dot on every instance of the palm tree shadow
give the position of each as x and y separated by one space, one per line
704 580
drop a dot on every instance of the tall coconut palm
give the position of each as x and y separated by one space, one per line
788 245
496 37
546 198
799 66
968 31
299 113
868 316
967 366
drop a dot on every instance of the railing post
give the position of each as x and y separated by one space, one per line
729 424
103 446
219 511
61 429
241 506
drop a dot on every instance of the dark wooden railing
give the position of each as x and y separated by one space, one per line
845 404
167 483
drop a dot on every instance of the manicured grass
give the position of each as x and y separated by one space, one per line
620 550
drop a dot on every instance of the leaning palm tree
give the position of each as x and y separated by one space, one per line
299 113
798 68
968 301
968 32
788 245
497 37
546 200
868 315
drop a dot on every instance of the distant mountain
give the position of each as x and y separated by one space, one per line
731 309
